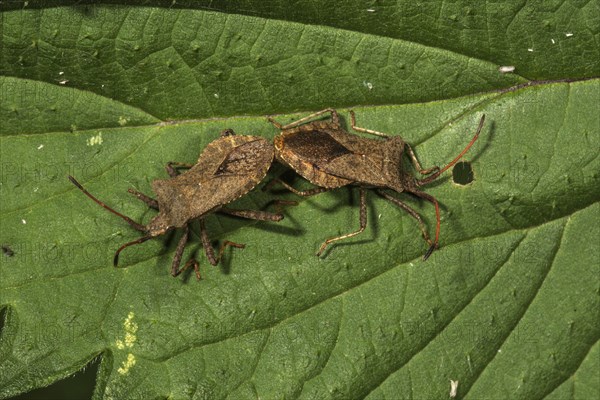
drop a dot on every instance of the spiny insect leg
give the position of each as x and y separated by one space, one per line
363 222
410 211
227 243
334 119
208 249
172 167
252 214
417 164
193 263
433 200
179 252
304 193
364 130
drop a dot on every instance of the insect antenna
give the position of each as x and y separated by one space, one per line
131 222
137 241
433 177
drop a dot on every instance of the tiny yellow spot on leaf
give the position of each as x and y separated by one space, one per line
127 364
95 140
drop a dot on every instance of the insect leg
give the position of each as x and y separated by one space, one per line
175 270
252 214
172 166
417 164
334 118
192 263
179 252
409 210
365 130
363 222
433 200
208 249
305 193
227 243
152 203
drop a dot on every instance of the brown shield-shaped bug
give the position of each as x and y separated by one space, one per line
328 156
228 168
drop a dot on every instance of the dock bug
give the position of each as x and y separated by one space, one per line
328 156
228 168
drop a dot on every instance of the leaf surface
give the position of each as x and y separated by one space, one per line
508 306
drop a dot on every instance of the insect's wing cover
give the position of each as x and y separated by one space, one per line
228 168
370 161
343 155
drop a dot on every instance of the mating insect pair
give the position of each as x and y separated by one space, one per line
321 151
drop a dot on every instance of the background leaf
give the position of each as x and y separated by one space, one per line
508 307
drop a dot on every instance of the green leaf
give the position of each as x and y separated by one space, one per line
508 306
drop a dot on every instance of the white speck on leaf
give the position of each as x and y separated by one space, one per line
23 221
553 41
453 388
216 95
371 10
35 190
63 82
530 49
127 364
569 34
95 140
41 146
368 85
128 342
506 68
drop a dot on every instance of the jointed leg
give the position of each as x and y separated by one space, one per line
365 130
363 222
410 211
305 193
172 166
208 249
191 263
417 164
433 200
152 203
334 119
179 252
252 214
